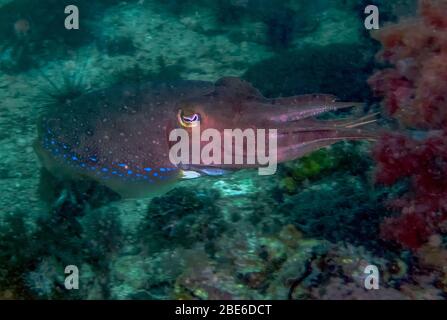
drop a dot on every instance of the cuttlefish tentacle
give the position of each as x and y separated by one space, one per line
298 108
298 138
302 133
299 132
297 144
311 124
354 122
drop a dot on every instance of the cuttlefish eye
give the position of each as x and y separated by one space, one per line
188 119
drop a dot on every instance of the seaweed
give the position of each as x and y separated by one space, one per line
340 200
33 259
183 217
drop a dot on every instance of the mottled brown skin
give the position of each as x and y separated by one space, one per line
114 135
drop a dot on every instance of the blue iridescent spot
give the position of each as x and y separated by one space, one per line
129 171
114 172
94 159
74 158
155 174
148 169
122 165
83 165
105 169
162 169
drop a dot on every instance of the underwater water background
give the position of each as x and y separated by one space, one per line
236 236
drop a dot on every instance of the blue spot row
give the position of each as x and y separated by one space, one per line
129 174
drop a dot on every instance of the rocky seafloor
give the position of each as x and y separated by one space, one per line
305 233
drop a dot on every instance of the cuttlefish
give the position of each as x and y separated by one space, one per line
120 136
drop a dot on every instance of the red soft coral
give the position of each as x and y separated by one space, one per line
424 207
414 92
409 229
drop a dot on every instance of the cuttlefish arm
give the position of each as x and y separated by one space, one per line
298 130
284 110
